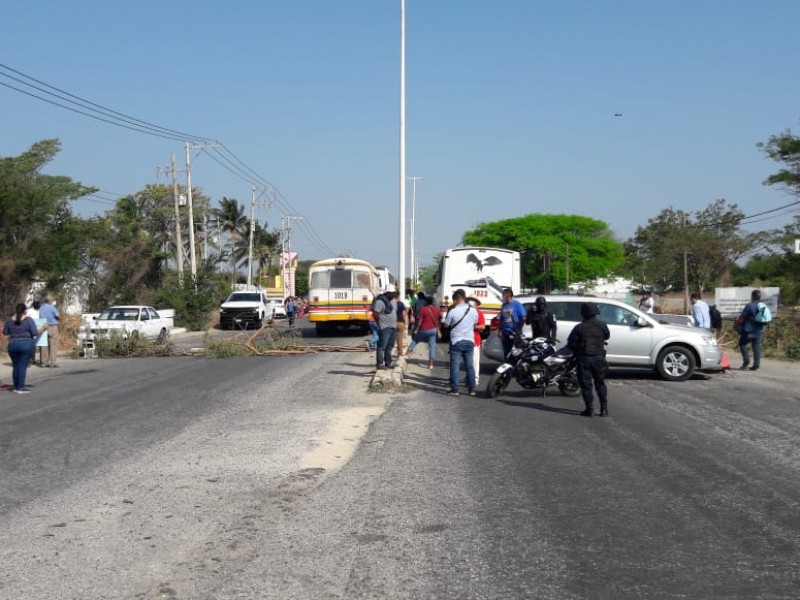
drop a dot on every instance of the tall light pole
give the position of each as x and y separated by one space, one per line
414 228
402 257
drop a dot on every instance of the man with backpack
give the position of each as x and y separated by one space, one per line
751 324
701 315
384 311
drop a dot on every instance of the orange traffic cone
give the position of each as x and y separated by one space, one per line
726 364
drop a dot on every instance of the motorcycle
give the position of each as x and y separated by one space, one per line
536 364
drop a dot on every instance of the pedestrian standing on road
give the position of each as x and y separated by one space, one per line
402 323
22 333
542 320
384 310
460 323
427 330
751 332
290 310
587 341
41 341
647 303
372 344
50 313
512 318
479 327
701 314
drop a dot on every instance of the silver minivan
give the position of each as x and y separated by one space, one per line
637 339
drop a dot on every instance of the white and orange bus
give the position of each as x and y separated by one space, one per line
480 272
340 293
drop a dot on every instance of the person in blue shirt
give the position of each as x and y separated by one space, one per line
512 318
22 333
701 315
751 332
50 313
290 310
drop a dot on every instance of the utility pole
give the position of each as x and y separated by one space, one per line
253 201
402 270
567 268
414 274
176 200
192 253
286 251
192 257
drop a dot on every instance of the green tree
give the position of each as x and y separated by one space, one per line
40 238
701 247
554 248
234 223
784 148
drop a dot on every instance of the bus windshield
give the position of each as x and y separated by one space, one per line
340 279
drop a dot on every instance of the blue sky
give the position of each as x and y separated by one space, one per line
510 106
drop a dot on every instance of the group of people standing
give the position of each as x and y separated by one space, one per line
26 330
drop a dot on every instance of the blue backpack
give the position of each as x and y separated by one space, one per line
764 314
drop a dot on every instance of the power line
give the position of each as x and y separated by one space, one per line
93 106
79 105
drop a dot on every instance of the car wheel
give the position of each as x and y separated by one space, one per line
258 323
675 363
162 336
497 384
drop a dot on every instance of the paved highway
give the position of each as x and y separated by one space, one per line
283 478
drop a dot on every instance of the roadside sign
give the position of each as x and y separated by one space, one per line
797 246
730 301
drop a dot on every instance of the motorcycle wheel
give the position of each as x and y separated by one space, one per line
570 387
497 384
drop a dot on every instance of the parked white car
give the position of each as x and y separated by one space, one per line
280 309
129 322
637 339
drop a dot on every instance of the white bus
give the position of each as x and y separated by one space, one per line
340 293
385 278
480 272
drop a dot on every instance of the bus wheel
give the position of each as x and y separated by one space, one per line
321 328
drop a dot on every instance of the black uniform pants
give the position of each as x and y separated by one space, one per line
593 369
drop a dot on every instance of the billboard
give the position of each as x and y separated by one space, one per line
731 300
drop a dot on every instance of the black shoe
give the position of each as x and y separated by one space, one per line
452 393
603 412
753 369
744 367
587 413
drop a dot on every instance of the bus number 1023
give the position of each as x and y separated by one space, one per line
480 293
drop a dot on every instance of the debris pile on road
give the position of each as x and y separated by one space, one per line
269 342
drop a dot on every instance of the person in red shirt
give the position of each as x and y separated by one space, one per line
480 326
428 319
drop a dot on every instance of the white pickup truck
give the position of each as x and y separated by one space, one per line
244 308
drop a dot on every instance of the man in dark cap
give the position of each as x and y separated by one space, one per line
587 341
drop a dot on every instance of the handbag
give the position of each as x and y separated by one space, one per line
738 324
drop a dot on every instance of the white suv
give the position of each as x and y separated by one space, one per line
637 339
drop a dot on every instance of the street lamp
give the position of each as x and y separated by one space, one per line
414 274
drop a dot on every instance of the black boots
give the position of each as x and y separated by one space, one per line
603 410
587 412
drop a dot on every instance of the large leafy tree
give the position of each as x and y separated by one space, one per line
784 148
700 247
131 247
40 238
554 248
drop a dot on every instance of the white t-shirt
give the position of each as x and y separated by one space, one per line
463 331
646 305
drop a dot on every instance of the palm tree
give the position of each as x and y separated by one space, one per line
232 221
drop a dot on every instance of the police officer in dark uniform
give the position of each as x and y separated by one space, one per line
542 321
587 342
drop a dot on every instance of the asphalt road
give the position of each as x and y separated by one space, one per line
283 478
